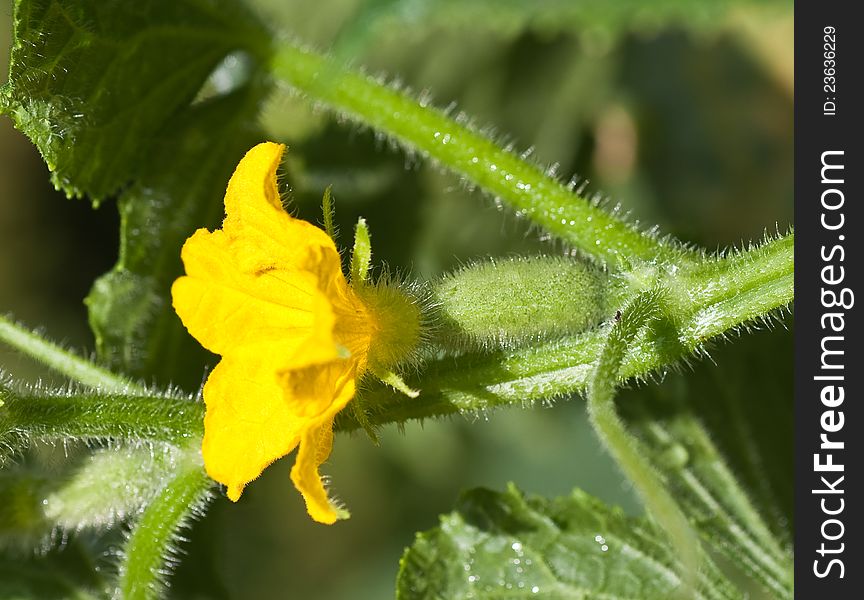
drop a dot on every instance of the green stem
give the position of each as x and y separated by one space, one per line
739 290
63 361
90 416
459 147
152 543
723 293
624 447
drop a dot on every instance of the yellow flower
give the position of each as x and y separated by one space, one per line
267 293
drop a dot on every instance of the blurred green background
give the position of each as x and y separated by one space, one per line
683 117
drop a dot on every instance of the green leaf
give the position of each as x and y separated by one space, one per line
116 94
504 545
92 83
669 421
179 190
755 437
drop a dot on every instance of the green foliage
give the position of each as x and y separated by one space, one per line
682 450
88 79
177 191
504 545
755 439
88 84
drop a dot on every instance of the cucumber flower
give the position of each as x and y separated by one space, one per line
267 293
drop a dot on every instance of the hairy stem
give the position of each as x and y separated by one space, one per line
63 361
151 546
459 147
624 447
90 416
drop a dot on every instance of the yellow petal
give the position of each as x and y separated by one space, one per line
252 193
248 424
316 441
255 416
286 310
226 309
266 277
313 390
264 235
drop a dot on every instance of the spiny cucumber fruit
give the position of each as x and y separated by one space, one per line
505 303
